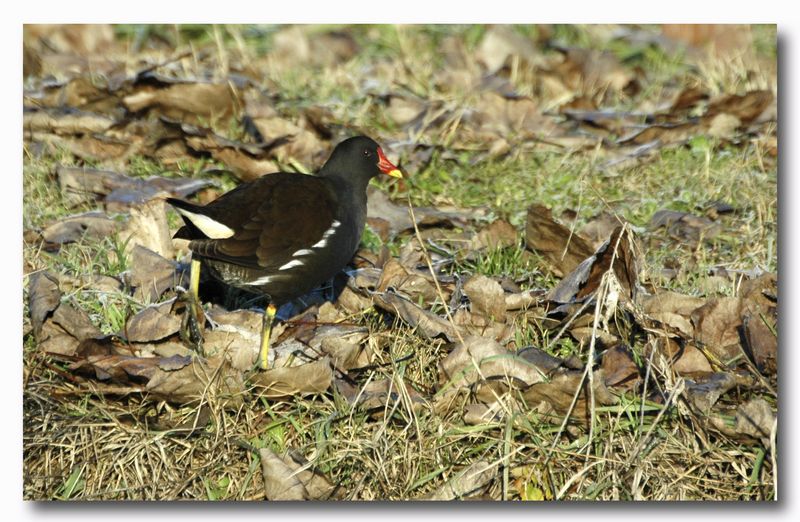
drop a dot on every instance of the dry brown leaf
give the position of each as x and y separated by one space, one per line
620 369
746 107
761 339
79 39
470 481
599 228
556 394
178 379
44 297
482 360
191 101
291 141
64 122
486 297
153 323
523 300
148 228
618 255
498 234
345 345
151 275
96 282
495 115
756 419
563 250
706 391
72 228
687 98
501 42
686 359
674 310
83 184
291 477
481 325
716 326
592 71
380 395
684 225
427 323
380 206
313 377
412 285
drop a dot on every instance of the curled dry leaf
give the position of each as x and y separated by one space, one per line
704 392
592 70
619 368
481 325
523 300
97 282
744 107
486 297
177 379
600 227
554 396
498 234
756 419
154 323
381 207
346 346
427 323
716 326
64 122
44 297
381 395
761 340
291 477
562 249
684 225
290 141
484 361
151 275
313 377
72 228
501 42
470 481
413 285
83 184
58 327
686 359
148 228
618 256
673 309
190 101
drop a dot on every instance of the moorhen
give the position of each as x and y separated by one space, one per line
284 234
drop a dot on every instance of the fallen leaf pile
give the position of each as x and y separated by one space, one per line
722 348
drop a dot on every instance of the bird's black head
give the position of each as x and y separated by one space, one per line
359 158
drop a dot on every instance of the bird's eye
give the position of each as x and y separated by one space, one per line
366 153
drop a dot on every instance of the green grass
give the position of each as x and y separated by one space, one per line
106 450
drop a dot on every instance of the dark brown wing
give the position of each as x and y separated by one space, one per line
293 211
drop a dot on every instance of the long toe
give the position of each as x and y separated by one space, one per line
192 322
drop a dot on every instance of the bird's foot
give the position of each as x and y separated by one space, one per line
192 322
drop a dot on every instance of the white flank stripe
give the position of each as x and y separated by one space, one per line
290 264
209 227
321 243
261 280
335 224
303 252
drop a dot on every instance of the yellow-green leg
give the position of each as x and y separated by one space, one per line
266 330
194 280
191 329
